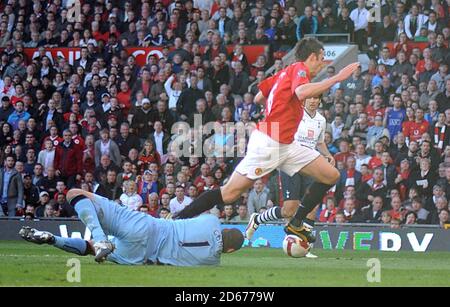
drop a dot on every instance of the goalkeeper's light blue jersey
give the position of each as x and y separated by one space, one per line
189 242
140 238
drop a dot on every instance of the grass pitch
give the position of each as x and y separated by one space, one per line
25 264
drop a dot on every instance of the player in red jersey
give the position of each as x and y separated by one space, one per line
272 145
418 127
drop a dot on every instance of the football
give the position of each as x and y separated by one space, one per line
295 247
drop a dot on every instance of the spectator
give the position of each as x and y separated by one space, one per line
187 99
287 28
46 156
64 209
18 114
12 190
441 77
360 18
16 68
385 217
107 147
388 169
130 198
441 204
411 218
126 174
328 215
337 126
148 155
146 186
180 201
68 160
354 85
110 188
229 214
340 218
349 176
344 152
422 215
258 196
239 80
126 141
308 24
374 187
444 219
372 213
201 110
397 210
414 22
30 191
242 215
44 200
351 214
361 157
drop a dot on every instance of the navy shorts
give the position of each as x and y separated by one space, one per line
294 187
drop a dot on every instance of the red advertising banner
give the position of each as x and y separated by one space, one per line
142 53
70 54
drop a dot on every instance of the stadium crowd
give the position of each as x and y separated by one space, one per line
105 124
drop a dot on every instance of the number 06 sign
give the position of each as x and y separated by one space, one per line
332 52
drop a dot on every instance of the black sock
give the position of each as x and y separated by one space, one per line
313 196
76 199
205 201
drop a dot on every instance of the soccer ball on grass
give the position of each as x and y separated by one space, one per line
295 247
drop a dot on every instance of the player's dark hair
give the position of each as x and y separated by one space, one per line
232 240
306 47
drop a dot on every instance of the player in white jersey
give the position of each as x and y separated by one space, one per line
311 134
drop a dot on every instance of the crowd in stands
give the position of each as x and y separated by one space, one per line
107 125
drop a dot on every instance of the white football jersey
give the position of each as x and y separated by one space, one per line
311 130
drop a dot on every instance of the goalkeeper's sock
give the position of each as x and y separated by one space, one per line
270 215
313 196
204 202
72 245
88 215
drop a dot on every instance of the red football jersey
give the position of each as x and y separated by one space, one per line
416 130
283 109
371 113
375 162
406 127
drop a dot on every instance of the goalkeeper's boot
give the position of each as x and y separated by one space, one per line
35 236
303 232
102 250
252 226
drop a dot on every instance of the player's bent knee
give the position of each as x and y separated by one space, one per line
335 176
230 195
331 177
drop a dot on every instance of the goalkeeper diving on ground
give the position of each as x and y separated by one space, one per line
139 238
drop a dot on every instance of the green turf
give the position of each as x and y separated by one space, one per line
23 264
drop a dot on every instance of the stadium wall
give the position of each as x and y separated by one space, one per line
364 238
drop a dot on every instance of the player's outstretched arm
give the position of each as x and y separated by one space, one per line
311 90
